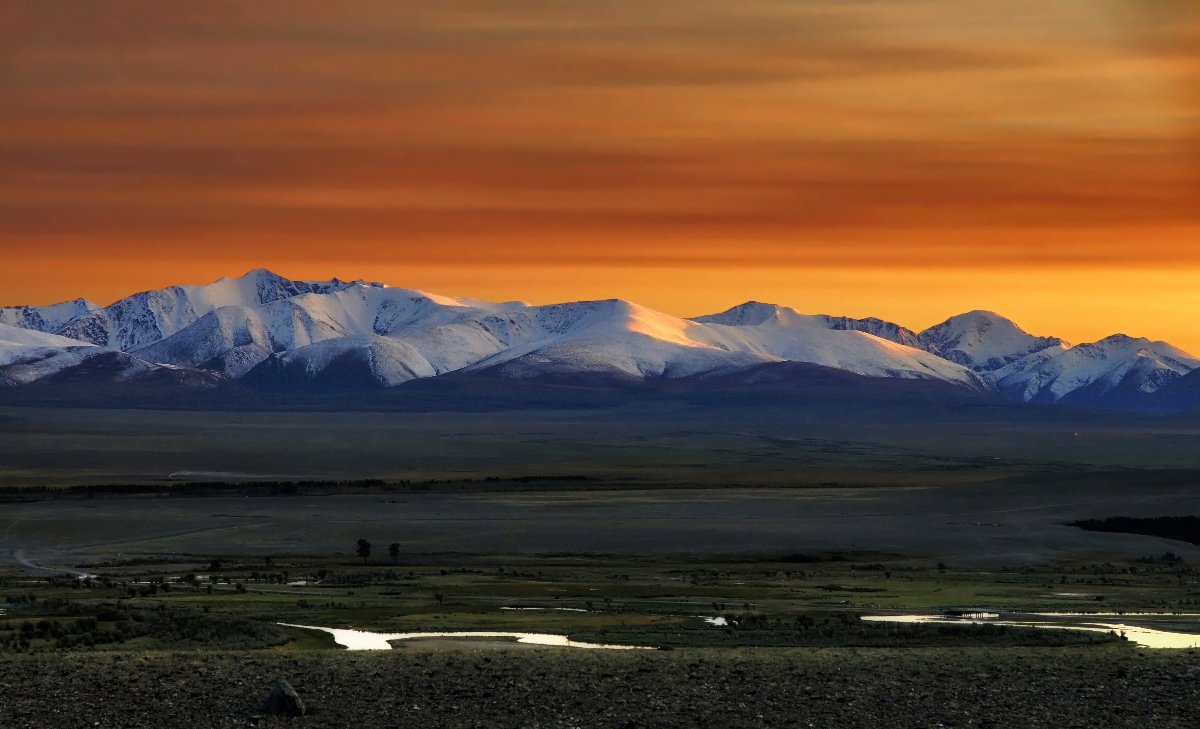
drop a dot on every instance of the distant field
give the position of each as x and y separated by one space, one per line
1012 521
653 444
632 480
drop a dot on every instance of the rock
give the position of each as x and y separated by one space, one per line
283 701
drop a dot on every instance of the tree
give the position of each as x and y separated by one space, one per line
363 550
394 552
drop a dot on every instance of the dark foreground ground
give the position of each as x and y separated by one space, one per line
1096 687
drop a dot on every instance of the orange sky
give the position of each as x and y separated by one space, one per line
908 159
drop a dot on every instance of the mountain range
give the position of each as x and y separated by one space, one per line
269 333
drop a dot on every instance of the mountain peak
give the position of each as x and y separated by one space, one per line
982 340
267 277
979 317
260 273
749 314
255 275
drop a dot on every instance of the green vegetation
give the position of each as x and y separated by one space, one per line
789 600
832 629
60 623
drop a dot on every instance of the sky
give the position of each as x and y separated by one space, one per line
907 159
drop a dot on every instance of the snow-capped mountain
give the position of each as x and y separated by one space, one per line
984 341
148 317
1089 373
274 333
610 339
28 356
786 335
1046 369
754 313
46 318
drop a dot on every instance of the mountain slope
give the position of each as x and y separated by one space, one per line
601 340
756 313
28 356
610 339
148 317
983 341
46 318
237 336
1181 395
783 334
1115 368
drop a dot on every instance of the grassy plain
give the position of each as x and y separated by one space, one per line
797 655
653 600
658 443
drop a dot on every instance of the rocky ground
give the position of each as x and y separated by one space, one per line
1017 687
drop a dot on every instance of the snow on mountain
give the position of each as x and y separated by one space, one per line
28 356
35 364
984 341
754 313
611 339
46 318
18 344
607 339
749 314
230 340
300 329
347 363
270 331
236 337
878 327
1089 372
150 316
784 334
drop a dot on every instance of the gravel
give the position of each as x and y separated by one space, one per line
1011 687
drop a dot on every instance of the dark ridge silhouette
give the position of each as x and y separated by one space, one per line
1180 528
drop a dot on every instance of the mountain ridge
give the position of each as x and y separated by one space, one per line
263 329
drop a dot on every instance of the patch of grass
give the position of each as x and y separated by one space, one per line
638 600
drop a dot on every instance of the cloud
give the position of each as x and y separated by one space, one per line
566 131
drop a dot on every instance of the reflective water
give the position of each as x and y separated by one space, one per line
1143 636
363 640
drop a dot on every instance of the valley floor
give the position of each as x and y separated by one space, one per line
1001 522
607 529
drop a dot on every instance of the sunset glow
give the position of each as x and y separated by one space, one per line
906 159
